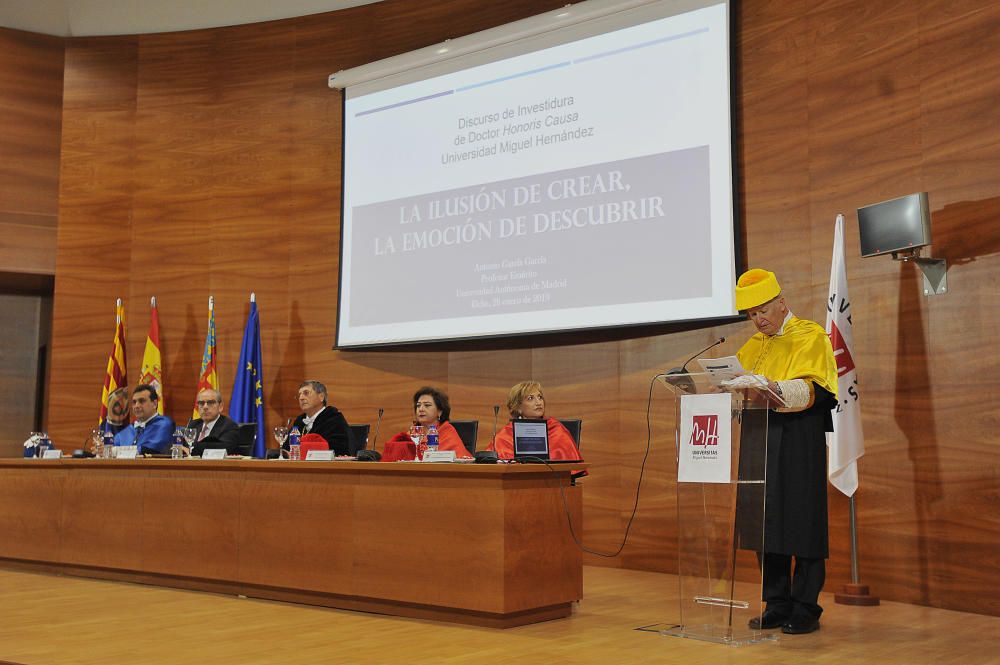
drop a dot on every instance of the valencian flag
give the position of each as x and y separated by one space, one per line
209 377
116 377
152 364
247 403
846 443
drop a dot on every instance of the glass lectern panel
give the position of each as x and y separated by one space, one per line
720 507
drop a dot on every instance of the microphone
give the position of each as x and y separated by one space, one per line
496 411
685 383
683 368
377 424
489 456
373 455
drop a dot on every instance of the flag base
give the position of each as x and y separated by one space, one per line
856 594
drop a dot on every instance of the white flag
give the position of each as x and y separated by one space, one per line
846 443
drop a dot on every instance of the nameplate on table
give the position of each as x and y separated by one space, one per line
126 452
213 453
52 454
439 456
320 455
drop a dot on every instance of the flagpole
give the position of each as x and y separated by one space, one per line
253 297
853 525
118 311
846 444
855 593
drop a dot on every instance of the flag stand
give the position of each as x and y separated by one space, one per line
846 441
855 593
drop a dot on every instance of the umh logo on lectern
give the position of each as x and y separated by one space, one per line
705 430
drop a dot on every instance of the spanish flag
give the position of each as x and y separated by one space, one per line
209 377
152 364
115 377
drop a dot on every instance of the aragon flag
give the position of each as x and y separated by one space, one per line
116 375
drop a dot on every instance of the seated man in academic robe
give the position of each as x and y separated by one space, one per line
151 432
318 417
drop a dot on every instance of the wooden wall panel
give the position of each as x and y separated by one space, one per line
19 329
209 162
31 72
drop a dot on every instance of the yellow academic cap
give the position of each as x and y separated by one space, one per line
756 287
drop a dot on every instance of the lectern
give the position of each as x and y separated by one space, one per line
721 450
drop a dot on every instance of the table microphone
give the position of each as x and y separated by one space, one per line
489 456
377 424
496 412
366 455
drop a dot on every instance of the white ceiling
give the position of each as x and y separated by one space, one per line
83 18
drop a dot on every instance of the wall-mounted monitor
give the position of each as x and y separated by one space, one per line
897 225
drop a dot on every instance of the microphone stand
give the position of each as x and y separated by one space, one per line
378 423
684 382
496 412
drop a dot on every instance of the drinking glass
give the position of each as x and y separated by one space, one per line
44 443
418 434
280 435
189 434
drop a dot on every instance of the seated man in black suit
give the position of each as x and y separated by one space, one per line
215 430
321 418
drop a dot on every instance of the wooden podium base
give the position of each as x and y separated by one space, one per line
856 594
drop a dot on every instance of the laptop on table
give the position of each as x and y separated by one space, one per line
531 442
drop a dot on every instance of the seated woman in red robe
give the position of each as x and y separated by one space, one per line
431 407
527 401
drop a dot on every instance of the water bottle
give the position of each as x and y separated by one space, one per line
432 439
108 450
44 443
177 449
294 448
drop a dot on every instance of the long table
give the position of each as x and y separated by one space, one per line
480 544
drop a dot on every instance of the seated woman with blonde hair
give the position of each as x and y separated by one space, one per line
527 401
431 407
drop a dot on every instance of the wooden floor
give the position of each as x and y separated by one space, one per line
54 620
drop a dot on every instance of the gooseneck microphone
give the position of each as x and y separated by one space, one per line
377 424
678 378
683 368
496 412
489 456
372 455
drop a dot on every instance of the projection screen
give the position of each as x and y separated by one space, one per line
582 178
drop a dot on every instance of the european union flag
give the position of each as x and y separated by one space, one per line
247 403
